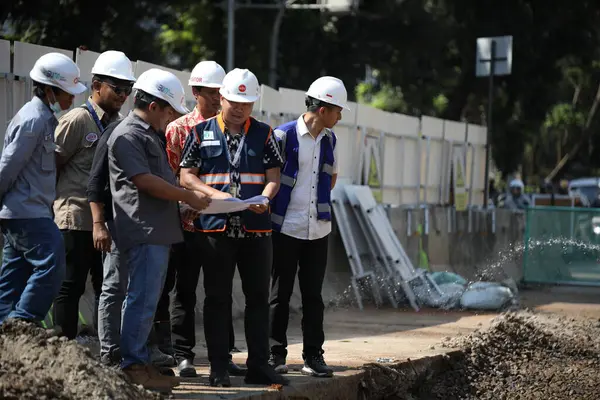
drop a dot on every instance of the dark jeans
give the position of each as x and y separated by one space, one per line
114 287
309 259
82 258
161 332
33 268
253 257
186 260
147 266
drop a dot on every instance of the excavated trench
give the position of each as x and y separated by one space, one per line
521 356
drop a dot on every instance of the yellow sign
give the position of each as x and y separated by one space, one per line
461 198
373 174
374 181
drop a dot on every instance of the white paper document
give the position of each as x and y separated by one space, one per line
231 205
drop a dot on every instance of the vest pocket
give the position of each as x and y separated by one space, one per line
211 149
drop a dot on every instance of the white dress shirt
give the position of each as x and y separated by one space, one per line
300 219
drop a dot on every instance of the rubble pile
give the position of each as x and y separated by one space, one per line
36 364
521 356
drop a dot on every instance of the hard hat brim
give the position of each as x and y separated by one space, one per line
236 98
209 85
129 78
344 106
181 109
75 89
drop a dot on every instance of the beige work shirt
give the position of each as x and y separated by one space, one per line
76 137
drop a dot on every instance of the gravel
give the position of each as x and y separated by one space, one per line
36 364
522 355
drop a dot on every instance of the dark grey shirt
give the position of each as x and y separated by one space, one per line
135 148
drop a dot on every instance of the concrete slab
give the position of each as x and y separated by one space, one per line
355 338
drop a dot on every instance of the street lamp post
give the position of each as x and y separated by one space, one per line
494 57
230 33
332 5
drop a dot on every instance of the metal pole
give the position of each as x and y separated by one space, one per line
274 45
488 144
230 33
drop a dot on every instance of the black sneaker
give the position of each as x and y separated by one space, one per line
235 370
219 379
315 366
278 363
265 376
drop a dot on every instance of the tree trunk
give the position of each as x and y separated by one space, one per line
585 135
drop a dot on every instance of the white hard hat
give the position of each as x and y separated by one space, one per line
56 69
163 85
517 183
241 86
329 90
208 74
114 64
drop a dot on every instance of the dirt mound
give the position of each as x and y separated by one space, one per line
521 356
35 364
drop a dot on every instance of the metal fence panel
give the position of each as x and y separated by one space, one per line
562 246
412 169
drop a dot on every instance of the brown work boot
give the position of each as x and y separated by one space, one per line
138 375
154 373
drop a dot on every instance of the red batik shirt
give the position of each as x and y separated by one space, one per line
177 132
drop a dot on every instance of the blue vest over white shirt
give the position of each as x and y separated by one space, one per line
302 207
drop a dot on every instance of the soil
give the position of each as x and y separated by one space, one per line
522 355
37 364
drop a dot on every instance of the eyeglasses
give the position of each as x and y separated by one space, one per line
120 89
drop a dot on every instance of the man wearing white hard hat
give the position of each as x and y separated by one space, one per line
146 216
206 79
301 216
33 262
76 138
234 156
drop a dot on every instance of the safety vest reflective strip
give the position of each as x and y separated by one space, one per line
215 179
252 179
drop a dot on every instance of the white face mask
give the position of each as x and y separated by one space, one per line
55 106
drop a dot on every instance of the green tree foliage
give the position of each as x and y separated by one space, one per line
423 52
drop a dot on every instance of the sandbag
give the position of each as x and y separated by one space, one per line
447 277
448 299
486 296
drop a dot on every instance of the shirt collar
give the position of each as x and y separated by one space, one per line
221 124
101 113
302 128
140 121
196 115
43 107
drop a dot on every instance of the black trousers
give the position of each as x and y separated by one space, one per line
82 258
253 257
186 262
309 259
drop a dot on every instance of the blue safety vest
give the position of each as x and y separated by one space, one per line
215 170
289 173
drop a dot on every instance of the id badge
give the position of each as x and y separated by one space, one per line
233 190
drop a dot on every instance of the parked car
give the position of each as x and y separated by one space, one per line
586 188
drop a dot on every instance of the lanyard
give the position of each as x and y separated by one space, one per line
94 116
236 158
